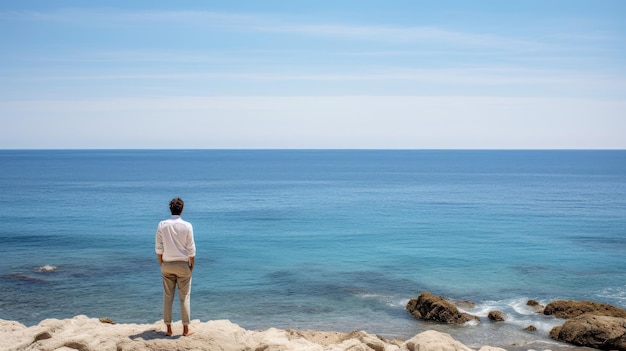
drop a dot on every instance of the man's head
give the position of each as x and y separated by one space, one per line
176 206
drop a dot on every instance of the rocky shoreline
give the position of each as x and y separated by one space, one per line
588 323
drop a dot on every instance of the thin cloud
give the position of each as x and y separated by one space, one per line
404 34
111 17
280 25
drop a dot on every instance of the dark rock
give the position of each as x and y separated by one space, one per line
429 307
535 305
106 320
496 316
42 336
531 328
601 332
571 309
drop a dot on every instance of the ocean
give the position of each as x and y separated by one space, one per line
317 239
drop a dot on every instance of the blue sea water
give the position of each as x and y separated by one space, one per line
316 239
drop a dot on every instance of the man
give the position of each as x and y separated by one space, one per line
176 251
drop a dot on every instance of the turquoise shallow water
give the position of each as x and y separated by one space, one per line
322 239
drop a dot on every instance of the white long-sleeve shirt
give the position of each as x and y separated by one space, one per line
174 240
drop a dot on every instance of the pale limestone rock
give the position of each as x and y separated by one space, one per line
89 334
431 340
491 348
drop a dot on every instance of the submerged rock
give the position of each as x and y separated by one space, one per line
433 308
571 309
601 332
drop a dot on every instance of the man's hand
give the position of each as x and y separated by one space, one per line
191 262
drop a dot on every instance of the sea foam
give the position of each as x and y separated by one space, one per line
46 268
517 313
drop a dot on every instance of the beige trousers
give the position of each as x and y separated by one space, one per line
176 273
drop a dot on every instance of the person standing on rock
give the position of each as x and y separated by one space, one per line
176 250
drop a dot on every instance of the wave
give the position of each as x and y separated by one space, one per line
387 300
614 294
517 313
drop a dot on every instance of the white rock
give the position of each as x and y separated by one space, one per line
83 333
432 340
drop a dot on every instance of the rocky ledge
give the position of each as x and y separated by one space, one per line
571 309
591 324
90 334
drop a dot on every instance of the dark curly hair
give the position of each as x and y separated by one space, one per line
176 206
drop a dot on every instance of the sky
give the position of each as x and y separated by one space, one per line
353 74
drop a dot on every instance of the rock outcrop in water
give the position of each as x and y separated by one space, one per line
591 324
535 305
496 316
571 309
438 309
600 332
